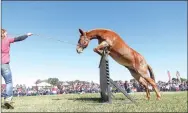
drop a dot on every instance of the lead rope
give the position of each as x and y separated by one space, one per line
55 39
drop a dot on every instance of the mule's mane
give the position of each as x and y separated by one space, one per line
100 29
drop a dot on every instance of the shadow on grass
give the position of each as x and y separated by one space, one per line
5 107
100 102
56 99
86 99
96 99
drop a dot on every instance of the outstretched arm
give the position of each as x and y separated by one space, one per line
20 38
23 37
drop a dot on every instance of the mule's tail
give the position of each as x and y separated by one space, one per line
151 73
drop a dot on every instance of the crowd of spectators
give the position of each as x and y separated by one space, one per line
90 87
82 87
173 86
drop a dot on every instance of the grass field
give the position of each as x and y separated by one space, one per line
170 102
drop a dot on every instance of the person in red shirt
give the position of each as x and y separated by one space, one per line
5 60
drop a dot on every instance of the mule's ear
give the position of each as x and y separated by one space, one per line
81 32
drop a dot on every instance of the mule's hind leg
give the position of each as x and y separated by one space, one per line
141 81
153 84
143 71
145 84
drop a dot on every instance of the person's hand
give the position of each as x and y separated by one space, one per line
29 34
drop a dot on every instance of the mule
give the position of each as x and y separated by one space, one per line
121 53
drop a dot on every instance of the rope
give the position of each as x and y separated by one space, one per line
42 36
55 39
73 44
46 38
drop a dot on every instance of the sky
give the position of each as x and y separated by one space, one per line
157 30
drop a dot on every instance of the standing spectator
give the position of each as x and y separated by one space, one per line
126 85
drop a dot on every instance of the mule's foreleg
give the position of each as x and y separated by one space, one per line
100 47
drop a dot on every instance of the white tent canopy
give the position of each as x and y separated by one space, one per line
43 84
65 84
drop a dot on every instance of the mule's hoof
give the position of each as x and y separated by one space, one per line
158 98
147 98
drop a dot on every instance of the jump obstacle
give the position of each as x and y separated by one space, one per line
106 81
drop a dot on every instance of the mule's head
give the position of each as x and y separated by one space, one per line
82 42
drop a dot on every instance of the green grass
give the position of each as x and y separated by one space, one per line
170 102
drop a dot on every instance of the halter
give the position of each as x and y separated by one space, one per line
85 40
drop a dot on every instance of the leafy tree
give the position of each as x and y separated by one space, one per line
76 81
59 85
38 81
183 79
174 79
46 80
53 81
